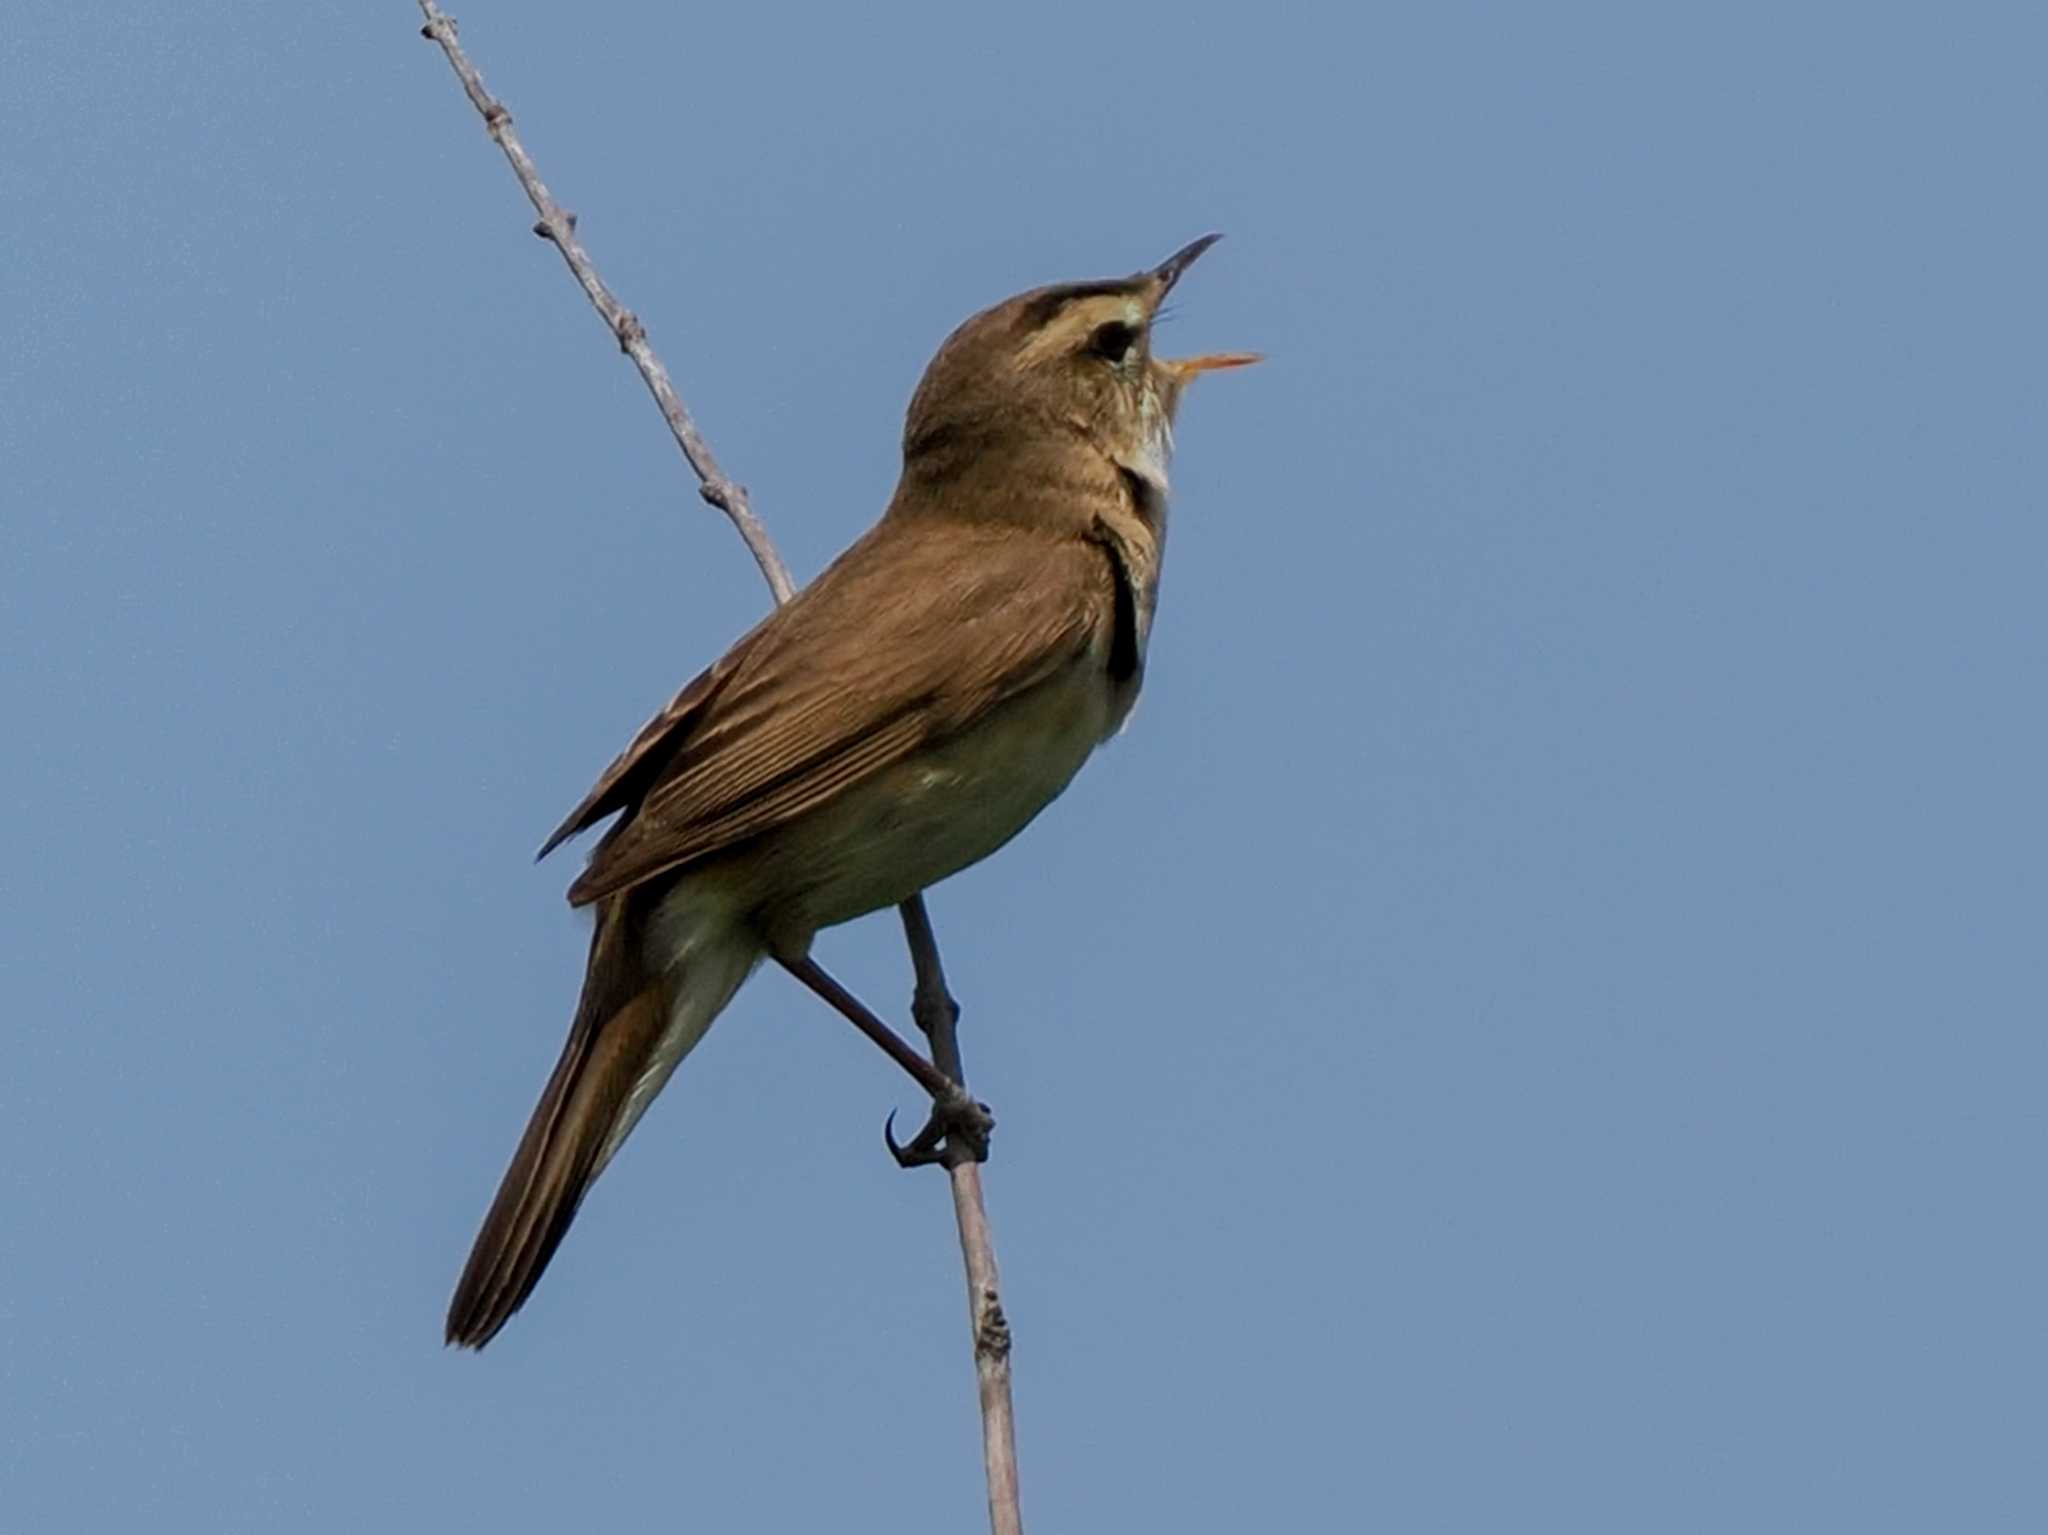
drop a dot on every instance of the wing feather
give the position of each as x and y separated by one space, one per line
915 633
635 768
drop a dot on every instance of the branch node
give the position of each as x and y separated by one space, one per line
630 331
546 230
992 1333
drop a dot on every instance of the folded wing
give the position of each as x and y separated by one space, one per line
903 641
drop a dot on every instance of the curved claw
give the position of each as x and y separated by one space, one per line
896 1149
924 1148
956 1120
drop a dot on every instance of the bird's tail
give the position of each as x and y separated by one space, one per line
632 1026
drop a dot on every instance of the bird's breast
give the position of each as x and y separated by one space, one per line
934 812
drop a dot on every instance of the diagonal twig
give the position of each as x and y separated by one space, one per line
559 226
933 1007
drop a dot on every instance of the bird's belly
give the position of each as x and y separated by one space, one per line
932 814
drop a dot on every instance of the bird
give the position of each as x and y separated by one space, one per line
900 718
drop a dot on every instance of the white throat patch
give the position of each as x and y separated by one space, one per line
1155 446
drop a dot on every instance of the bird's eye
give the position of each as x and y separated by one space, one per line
1113 341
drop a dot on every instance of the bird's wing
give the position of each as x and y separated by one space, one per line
639 765
911 636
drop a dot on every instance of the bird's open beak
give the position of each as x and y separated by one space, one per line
1166 274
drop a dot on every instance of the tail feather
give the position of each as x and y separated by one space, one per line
576 1125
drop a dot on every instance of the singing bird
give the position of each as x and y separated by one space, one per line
900 718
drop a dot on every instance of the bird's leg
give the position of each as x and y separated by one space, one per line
932 1005
945 1138
956 1116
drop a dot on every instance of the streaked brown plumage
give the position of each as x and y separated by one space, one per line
902 717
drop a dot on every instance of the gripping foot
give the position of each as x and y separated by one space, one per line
957 1123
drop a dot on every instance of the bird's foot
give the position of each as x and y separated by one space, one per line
957 1122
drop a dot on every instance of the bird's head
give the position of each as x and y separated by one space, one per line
1065 368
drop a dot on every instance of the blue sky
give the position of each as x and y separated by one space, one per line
1537 1025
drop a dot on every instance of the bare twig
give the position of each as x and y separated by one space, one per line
559 226
933 1007
939 1016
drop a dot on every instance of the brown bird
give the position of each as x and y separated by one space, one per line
902 717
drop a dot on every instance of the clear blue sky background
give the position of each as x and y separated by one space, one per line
1538 1024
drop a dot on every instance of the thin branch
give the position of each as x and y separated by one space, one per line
938 1015
933 1007
559 226
991 1349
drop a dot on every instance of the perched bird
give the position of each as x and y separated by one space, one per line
902 717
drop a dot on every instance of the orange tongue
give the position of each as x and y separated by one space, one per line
1210 362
